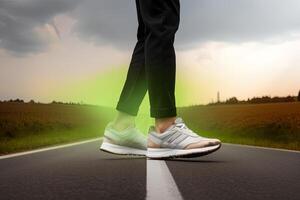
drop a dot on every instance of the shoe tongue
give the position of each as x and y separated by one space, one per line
177 121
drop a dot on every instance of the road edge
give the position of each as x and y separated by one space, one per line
48 148
260 147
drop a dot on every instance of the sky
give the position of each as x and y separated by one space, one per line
79 50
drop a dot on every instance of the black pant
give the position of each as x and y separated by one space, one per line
153 63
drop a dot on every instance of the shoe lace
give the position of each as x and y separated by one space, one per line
188 131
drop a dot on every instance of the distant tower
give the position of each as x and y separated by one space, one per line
218 97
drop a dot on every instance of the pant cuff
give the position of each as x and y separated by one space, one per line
163 112
126 109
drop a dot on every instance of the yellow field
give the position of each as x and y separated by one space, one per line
275 125
17 118
29 126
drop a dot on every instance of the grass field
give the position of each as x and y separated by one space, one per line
271 125
30 126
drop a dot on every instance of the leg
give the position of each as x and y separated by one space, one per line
135 86
161 19
120 137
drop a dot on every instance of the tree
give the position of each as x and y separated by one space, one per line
232 100
299 96
31 101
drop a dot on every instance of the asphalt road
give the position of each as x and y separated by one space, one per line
84 172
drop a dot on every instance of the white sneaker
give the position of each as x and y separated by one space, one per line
126 142
179 141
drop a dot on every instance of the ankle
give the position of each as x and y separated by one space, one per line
120 126
123 121
162 124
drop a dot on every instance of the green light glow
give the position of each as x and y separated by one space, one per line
104 89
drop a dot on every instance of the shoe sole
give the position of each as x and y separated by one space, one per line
121 150
161 153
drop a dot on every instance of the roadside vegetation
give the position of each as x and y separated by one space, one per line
270 125
25 126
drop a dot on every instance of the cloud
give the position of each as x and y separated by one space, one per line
238 20
107 22
113 22
20 20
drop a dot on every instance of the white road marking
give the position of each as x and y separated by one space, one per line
264 148
160 182
49 148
